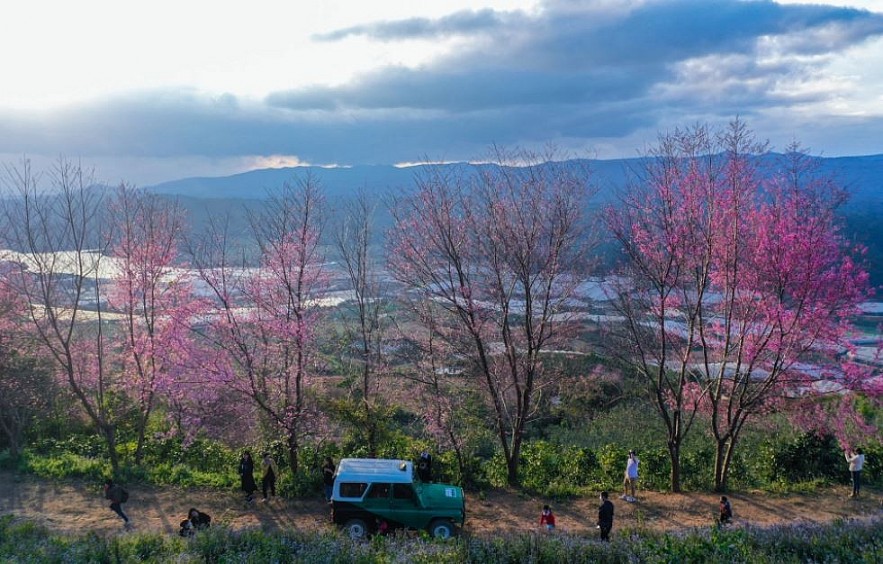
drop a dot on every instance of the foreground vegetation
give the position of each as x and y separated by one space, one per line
845 541
567 457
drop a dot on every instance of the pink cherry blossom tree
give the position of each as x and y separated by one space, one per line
738 287
260 332
497 252
443 394
364 324
60 272
152 294
26 388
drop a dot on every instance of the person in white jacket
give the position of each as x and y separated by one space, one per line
856 460
631 477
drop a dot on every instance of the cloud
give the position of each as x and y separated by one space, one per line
466 22
575 73
558 57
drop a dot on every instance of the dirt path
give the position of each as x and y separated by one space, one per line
77 507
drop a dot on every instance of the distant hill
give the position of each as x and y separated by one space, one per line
862 176
233 195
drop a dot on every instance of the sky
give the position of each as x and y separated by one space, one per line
151 91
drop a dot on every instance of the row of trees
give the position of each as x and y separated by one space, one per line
735 296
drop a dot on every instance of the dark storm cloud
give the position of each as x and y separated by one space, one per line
569 72
559 57
168 125
460 91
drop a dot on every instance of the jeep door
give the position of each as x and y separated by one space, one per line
405 507
376 501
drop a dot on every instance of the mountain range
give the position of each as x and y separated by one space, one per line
861 176
232 196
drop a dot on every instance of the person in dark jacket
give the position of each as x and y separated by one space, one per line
246 476
328 478
605 516
424 467
726 511
196 521
117 496
270 473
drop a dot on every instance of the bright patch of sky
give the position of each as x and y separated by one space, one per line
65 52
152 91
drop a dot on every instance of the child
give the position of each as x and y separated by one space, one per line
547 518
725 510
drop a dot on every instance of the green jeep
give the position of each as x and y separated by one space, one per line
377 495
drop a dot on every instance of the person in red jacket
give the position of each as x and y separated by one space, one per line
547 518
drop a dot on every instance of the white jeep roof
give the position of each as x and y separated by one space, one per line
375 470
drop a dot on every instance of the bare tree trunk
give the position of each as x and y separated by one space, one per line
110 438
674 451
514 459
293 451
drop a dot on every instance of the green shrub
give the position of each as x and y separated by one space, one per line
611 466
90 446
495 470
808 457
303 484
554 470
66 465
6 460
200 454
872 473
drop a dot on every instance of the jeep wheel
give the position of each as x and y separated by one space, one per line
356 529
441 529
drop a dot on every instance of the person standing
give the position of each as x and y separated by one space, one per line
726 511
424 467
631 477
605 516
856 460
270 472
246 476
328 477
117 496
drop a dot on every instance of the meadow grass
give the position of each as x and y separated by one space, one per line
846 541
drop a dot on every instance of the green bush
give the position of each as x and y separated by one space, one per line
809 457
66 465
872 473
91 446
184 475
201 454
547 469
6 460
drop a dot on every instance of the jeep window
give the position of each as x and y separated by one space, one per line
379 490
352 489
403 491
